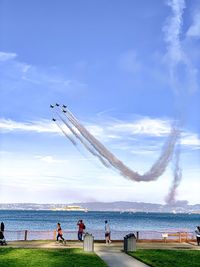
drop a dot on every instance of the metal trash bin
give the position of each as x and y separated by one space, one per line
129 243
88 242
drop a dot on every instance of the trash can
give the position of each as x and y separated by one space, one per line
125 243
129 243
88 242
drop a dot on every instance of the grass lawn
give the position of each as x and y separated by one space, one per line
168 258
71 257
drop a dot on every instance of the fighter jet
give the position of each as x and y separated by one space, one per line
57 104
51 106
65 111
53 119
64 106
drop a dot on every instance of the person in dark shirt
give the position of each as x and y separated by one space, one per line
2 227
81 228
2 238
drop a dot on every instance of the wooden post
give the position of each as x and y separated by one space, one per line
54 235
25 235
179 237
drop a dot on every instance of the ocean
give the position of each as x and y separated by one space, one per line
120 223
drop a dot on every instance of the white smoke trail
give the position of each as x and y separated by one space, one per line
158 167
172 30
177 62
183 74
175 56
171 197
65 134
104 162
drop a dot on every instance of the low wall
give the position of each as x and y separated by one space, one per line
142 236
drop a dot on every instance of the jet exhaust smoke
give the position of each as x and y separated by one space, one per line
65 134
111 160
178 63
177 171
94 153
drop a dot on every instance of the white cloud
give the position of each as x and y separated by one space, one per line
108 131
25 68
49 159
43 126
7 56
23 75
146 126
194 29
190 139
96 130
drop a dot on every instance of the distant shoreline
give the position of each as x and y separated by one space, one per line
117 211
117 206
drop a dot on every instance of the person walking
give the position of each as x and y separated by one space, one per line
107 232
197 231
2 227
81 228
2 238
60 233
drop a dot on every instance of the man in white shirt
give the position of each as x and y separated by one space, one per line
198 235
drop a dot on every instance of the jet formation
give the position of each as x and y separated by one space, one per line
79 134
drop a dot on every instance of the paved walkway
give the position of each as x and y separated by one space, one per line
112 254
114 257
113 246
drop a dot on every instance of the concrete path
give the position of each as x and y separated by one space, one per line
114 257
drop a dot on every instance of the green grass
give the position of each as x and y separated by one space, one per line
71 257
168 258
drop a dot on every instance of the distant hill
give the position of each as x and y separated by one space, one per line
178 207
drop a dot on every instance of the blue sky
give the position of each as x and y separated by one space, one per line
126 69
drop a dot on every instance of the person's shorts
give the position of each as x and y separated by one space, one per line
107 234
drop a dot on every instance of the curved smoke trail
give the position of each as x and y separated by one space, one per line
156 170
177 173
83 142
177 62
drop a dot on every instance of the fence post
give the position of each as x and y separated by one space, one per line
137 235
54 235
25 235
179 237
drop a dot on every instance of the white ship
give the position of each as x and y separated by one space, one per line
72 208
